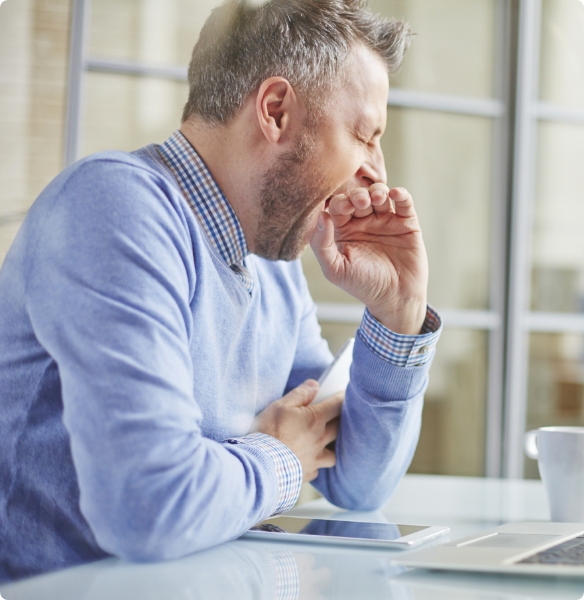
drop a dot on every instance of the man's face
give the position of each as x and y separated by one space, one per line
334 155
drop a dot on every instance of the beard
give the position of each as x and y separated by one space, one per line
289 197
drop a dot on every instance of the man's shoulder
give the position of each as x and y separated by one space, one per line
114 176
111 191
114 161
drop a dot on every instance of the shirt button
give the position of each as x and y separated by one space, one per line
423 350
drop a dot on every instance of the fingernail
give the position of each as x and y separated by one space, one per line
320 223
311 383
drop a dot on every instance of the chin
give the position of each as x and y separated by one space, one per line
295 244
286 252
288 246
291 254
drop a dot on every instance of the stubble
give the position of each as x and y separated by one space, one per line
290 195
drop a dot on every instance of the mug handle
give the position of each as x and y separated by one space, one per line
530 444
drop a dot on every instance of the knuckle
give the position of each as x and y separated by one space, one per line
280 410
359 194
312 417
337 201
378 187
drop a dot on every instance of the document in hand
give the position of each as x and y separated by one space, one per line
336 377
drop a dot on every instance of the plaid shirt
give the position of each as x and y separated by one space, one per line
208 203
223 228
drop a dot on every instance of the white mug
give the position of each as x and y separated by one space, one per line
560 455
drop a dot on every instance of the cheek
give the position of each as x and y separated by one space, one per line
343 163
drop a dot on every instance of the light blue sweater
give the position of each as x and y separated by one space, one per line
129 352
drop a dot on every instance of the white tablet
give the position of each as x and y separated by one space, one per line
353 533
336 377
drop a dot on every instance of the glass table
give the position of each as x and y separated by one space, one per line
258 570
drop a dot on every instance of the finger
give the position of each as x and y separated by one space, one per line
403 201
340 205
380 199
326 459
361 200
330 407
331 431
323 242
384 208
302 395
379 193
341 210
310 476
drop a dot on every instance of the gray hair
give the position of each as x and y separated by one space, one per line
308 42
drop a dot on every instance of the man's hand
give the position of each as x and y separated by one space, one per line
304 428
372 248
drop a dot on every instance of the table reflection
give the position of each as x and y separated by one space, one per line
245 570
255 570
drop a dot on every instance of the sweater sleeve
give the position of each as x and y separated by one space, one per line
381 415
108 297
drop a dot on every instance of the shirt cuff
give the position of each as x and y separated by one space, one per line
399 349
288 467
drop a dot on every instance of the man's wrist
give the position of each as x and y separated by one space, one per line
406 320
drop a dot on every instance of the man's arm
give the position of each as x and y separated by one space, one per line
370 245
381 415
108 296
379 430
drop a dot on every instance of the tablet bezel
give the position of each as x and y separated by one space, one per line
411 540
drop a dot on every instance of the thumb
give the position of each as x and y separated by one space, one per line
302 395
323 242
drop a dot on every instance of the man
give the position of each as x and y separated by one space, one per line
159 345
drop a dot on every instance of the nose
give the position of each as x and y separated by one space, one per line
372 170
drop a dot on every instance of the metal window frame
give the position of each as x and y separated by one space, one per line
13 217
484 320
501 145
521 322
508 320
543 111
124 67
77 48
520 235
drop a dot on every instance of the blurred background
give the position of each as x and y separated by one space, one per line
485 128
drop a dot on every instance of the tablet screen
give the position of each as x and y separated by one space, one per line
332 528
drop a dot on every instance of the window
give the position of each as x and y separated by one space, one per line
33 78
485 128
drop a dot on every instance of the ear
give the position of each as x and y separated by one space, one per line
278 109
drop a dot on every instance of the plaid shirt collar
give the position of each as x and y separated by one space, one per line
208 202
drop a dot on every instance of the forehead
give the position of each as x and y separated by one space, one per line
363 95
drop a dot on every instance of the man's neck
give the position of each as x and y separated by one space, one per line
228 161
